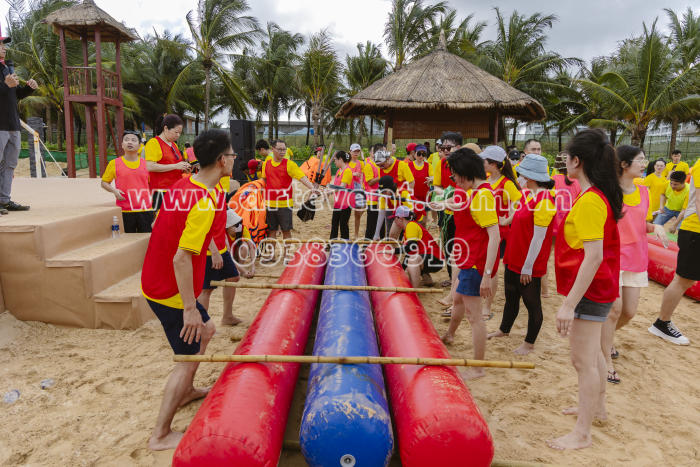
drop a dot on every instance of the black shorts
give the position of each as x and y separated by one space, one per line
137 221
592 311
172 321
227 271
157 199
431 264
279 218
502 248
688 263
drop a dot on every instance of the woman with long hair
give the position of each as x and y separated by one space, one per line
634 251
528 251
507 192
163 159
341 207
587 260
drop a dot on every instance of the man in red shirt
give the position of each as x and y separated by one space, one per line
173 274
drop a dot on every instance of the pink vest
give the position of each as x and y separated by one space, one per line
342 198
634 249
372 188
134 184
564 198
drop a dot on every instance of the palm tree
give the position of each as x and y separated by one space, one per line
362 70
685 42
267 75
519 57
217 27
644 84
462 39
408 27
318 76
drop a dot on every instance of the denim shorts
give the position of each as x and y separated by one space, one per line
469 282
592 311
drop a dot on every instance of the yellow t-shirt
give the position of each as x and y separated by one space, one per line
368 172
586 221
404 173
544 212
437 172
289 154
483 208
691 222
511 194
347 177
430 167
294 171
153 151
413 232
111 170
676 200
657 187
671 167
432 158
634 198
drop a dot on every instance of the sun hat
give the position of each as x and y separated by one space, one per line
232 218
411 147
401 211
534 167
355 147
474 147
495 153
380 156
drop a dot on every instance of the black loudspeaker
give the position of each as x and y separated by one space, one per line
243 142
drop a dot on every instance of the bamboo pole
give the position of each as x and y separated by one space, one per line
268 276
368 288
353 360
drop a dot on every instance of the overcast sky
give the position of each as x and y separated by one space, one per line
585 29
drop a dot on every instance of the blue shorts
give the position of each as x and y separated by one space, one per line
172 321
469 282
227 271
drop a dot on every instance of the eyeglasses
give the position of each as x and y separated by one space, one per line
232 154
642 161
283 149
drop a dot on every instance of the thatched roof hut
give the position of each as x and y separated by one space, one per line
442 91
82 19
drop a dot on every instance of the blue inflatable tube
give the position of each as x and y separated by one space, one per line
346 417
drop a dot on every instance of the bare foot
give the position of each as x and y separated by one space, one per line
524 349
230 321
448 338
570 441
473 373
193 395
498 333
169 441
446 301
601 415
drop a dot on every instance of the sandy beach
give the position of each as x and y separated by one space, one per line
108 387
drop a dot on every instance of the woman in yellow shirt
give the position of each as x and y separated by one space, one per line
656 182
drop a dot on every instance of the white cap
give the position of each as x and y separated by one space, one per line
381 156
232 218
401 211
355 147
495 153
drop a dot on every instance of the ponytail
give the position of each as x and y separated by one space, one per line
600 164
169 120
507 171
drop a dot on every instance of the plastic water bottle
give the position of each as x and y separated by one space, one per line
11 397
115 227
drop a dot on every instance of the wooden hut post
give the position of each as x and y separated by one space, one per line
496 117
120 108
67 108
102 135
389 130
89 123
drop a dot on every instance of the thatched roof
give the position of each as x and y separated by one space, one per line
82 19
442 81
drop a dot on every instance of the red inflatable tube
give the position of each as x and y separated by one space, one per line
436 418
242 420
662 265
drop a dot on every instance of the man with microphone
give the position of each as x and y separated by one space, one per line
10 139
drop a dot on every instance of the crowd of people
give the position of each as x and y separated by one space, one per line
485 206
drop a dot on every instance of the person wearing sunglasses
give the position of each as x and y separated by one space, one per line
422 173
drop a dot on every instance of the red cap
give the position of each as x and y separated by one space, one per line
411 147
320 148
253 164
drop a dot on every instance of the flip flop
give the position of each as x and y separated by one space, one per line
615 354
447 313
613 378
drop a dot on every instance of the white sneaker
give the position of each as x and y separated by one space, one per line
668 331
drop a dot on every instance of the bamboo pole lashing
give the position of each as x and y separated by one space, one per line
353 360
367 288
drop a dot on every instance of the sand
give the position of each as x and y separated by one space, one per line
108 387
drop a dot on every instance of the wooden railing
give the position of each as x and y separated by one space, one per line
82 81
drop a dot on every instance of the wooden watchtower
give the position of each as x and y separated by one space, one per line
92 86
